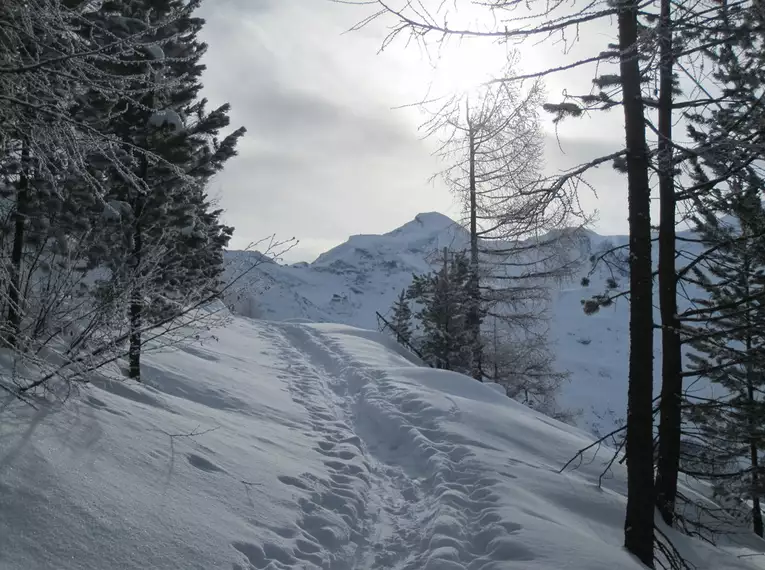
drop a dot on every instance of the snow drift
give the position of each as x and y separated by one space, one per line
288 445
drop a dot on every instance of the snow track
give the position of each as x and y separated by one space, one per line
434 511
285 446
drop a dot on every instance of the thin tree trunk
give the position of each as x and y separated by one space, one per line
19 221
670 411
496 353
474 317
757 522
136 308
638 525
136 297
447 347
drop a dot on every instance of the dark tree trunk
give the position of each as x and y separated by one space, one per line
670 411
136 297
638 525
757 511
19 222
474 317
752 424
136 308
757 523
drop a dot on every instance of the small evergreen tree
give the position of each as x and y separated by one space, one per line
443 298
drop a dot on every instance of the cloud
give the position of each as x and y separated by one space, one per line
326 155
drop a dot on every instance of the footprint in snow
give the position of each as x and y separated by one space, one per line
203 464
293 482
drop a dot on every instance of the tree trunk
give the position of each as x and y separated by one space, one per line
670 411
754 456
19 221
474 317
638 525
136 297
752 423
136 307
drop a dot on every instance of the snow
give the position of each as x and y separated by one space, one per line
155 52
300 446
164 117
364 275
115 209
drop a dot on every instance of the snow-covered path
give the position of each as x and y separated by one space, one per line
297 446
402 493
361 515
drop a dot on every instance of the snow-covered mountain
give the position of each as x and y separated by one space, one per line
362 276
348 283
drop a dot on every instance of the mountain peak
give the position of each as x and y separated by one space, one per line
426 223
433 219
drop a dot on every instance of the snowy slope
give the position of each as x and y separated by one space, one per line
352 281
301 446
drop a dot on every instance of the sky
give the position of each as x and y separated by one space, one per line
334 147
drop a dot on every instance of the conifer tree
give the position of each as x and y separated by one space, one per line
161 239
730 349
725 329
443 301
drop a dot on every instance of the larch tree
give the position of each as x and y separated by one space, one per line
519 228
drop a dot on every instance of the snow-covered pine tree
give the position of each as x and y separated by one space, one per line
41 231
402 318
160 239
730 350
442 299
726 328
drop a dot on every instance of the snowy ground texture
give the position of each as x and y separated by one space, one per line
287 445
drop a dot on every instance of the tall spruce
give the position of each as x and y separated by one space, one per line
161 239
49 197
730 349
725 328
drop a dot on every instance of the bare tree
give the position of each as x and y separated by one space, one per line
492 142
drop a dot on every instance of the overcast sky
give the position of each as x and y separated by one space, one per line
327 153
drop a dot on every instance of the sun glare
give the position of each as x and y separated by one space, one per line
462 67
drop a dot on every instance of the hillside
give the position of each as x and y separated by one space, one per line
349 283
295 446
